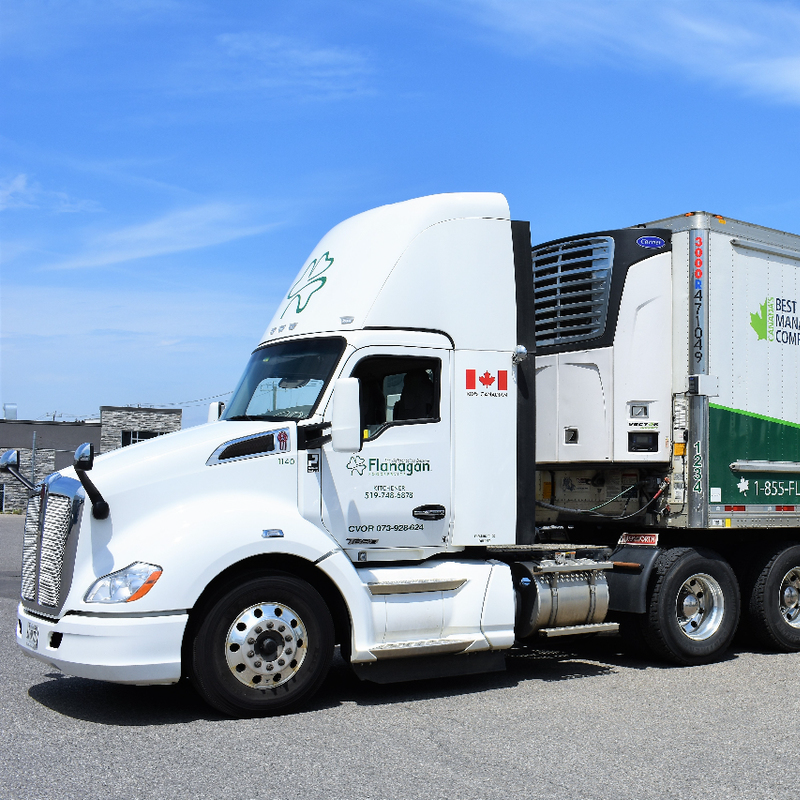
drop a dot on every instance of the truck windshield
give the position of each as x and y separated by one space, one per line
285 380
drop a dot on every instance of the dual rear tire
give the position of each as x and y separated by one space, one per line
692 607
772 599
694 604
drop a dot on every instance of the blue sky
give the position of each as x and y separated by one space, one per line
167 165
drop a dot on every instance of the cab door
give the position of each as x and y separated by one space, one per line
396 492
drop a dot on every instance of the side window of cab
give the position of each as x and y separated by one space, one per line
397 391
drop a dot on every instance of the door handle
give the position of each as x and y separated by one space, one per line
430 513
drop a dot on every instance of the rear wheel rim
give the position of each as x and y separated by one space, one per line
266 645
789 597
700 607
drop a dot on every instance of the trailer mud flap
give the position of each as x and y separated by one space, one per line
627 582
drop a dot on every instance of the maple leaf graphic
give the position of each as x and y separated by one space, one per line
311 281
758 322
487 379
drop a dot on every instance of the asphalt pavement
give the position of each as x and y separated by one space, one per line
577 720
11 526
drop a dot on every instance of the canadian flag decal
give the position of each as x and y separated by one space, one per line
487 380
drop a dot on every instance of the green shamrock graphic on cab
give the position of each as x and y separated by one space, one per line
356 464
311 281
758 322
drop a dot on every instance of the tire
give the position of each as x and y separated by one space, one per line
772 603
262 647
692 608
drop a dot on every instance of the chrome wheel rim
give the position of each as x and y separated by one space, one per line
700 607
789 597
266 645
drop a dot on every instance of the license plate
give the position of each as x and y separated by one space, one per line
32 636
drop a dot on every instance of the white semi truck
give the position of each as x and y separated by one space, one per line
448 441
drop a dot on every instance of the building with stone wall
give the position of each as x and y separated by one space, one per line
46 446
121 426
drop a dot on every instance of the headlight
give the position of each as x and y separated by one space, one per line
128 584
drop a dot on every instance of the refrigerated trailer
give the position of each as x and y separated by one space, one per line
445 442
671 350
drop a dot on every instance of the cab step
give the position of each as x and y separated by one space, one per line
572 630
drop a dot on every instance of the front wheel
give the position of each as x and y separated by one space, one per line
262 647
773 604
693 607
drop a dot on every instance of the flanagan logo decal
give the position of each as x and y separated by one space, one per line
398 466
389 466
310 282
491 385
777 321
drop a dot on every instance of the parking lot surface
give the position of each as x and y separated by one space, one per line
576 720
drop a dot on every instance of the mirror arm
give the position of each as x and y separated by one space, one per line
100 509
9 462
22 479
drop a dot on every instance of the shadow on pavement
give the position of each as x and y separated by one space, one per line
114 704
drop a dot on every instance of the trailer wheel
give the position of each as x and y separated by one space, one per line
693 607
773 605
263 647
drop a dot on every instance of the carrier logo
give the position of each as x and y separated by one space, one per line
651 242
777 321
491 384
309 283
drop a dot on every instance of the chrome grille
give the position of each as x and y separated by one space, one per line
54 540
30 546
51 512
571 283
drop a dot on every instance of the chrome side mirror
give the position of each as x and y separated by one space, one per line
346 416
215 410
84 457
84 461
9 461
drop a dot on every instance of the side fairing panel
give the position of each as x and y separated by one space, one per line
456 277
443 262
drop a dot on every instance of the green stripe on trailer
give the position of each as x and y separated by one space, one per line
736 435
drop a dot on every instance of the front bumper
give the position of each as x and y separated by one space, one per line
139 650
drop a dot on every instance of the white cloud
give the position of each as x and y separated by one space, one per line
165 318
94 346
754 46
21 192
177 231
262 62
114 346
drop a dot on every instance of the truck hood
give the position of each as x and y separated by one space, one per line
170 458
